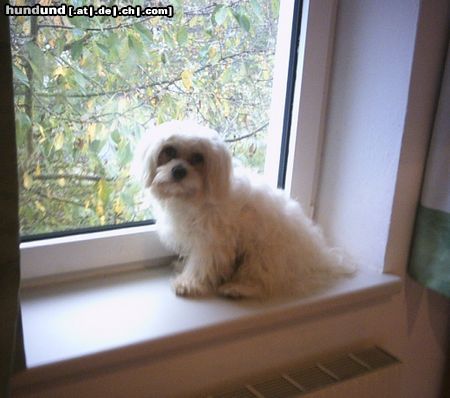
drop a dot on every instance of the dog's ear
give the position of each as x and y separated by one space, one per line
218 170
143 167
149 166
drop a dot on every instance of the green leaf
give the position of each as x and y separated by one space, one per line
182 36
146 34
243 21
80 80
204 51
79 22
36 57
112 45
275 7
76 49
257 9
130 42
103 48
220 14
135 45
124 154
95 146
23 124
20 76
116 137
168 38
227 76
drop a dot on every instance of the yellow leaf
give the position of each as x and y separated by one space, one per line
212 52
61 182
195 21
27 181
91 132
39 206
90 104
59 141
37 170
100 70
226 108
101 132
101 187
40 40
155 21
186 78
99 209
118 206
42 136
60 71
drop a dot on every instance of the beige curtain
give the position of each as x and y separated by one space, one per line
11 347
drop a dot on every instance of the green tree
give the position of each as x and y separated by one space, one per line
86 89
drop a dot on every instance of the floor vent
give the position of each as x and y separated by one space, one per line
298 382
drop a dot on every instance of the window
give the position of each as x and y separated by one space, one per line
79 114
87 89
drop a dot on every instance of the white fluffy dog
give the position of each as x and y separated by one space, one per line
234 236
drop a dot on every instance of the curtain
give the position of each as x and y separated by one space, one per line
11 348
430 253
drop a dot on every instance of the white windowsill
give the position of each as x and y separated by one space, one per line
83 326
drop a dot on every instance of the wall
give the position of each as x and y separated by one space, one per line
385 82
366 117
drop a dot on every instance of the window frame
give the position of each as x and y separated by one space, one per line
136 247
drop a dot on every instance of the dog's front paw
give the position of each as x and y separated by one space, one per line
188 287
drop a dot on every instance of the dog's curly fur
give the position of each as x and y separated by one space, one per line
234 235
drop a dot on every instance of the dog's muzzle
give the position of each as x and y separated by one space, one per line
179 172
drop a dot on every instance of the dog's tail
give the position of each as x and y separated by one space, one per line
342 264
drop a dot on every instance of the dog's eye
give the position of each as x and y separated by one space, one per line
196 159
170 152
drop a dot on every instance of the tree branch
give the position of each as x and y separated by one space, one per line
71 176
243 137
142 86
58 199
29 103
111 27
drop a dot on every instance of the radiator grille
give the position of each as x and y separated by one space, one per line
343 368
311 378
300 381
242 392
279 387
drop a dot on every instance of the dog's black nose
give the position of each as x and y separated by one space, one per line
178 172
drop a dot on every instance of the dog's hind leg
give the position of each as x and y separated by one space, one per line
252 279
238 290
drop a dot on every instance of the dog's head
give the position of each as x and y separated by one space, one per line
181 159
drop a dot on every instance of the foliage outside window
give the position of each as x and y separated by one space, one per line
86 89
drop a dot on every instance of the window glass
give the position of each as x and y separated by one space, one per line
86 89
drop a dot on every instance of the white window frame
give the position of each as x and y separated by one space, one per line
100 252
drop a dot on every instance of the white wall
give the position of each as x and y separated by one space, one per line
385 82
366 117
